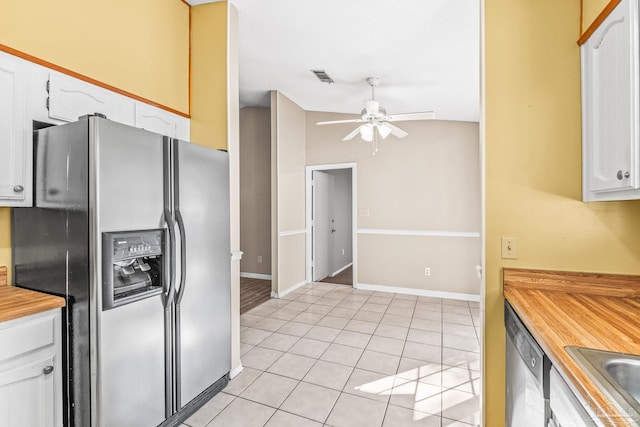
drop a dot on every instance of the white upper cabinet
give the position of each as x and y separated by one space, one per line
156 120
70 98
15 139
30 92
610 111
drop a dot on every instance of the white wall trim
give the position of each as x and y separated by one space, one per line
292 232
235 371
430 233
289 290
419 292
335 273
256 276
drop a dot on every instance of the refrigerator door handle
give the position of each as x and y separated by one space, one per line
168 300
183 256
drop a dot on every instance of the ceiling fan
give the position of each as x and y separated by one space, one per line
375 120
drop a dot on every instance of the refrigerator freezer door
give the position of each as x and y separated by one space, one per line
129 339
201 197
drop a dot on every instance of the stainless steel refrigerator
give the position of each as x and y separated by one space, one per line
132 228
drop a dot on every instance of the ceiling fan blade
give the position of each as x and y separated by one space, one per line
352 134
333 122
427 115
396 131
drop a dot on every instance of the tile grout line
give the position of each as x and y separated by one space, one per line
349 319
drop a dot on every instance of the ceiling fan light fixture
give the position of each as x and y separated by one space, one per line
384 130
374 123
366 132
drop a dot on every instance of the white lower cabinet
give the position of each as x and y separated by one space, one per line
567 409
30 371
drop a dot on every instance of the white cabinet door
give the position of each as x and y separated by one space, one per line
70 98
27 395
15 140
156 120
31 371
610 105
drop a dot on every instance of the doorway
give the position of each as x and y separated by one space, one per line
331 224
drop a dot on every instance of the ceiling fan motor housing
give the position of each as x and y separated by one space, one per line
373 110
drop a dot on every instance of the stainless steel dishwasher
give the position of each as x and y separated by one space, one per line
527 399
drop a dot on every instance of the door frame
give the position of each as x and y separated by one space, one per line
309 215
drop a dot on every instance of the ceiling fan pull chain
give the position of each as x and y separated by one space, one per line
375 142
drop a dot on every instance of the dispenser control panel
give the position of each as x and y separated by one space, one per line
132 266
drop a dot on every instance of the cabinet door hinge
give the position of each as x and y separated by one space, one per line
48 86
47 102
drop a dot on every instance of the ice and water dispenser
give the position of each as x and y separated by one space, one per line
132 266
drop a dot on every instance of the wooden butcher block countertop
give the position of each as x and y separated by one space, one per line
18 302
600 311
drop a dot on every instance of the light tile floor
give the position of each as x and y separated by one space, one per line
331 355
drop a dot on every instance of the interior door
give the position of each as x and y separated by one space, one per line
322 215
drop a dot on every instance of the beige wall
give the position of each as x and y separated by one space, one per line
533 165
428 181
288 192
255 189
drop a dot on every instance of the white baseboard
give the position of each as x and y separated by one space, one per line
255 276
419 292
286 291
335 273
235 371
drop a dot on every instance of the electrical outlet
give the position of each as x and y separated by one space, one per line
509 248
259 258
427 271
363 212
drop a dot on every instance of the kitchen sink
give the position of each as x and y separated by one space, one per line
616 374
625 372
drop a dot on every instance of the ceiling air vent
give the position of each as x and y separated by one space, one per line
323 76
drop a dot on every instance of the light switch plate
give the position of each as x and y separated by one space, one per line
509 248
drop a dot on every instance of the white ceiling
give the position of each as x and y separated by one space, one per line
426 53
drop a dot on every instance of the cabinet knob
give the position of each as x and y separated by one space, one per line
47 370
533 362
18 189
621 175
